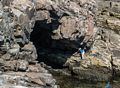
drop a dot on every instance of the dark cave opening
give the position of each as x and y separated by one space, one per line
50 51
47 47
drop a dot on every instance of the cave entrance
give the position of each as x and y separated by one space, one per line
41 34
49 51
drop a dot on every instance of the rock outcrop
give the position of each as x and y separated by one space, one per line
103 58
109 15
18 65
71 23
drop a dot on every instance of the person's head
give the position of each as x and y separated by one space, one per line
79 49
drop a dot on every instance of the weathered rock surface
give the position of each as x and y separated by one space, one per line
109 15
17 54
70 23
103 58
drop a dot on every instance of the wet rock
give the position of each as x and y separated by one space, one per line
92 74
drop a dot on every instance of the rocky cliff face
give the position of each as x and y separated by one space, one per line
18 65
103 57
58 28
108 23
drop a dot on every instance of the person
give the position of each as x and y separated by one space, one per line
82 53
108 85
110 4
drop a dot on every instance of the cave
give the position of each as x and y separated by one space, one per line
53 52
46 46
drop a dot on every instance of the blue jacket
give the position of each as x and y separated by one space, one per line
81 51
108 85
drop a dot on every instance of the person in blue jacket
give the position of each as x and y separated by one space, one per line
108 85
82 53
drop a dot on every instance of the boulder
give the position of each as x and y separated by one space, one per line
22 65
14 50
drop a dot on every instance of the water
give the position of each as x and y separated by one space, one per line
71 82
